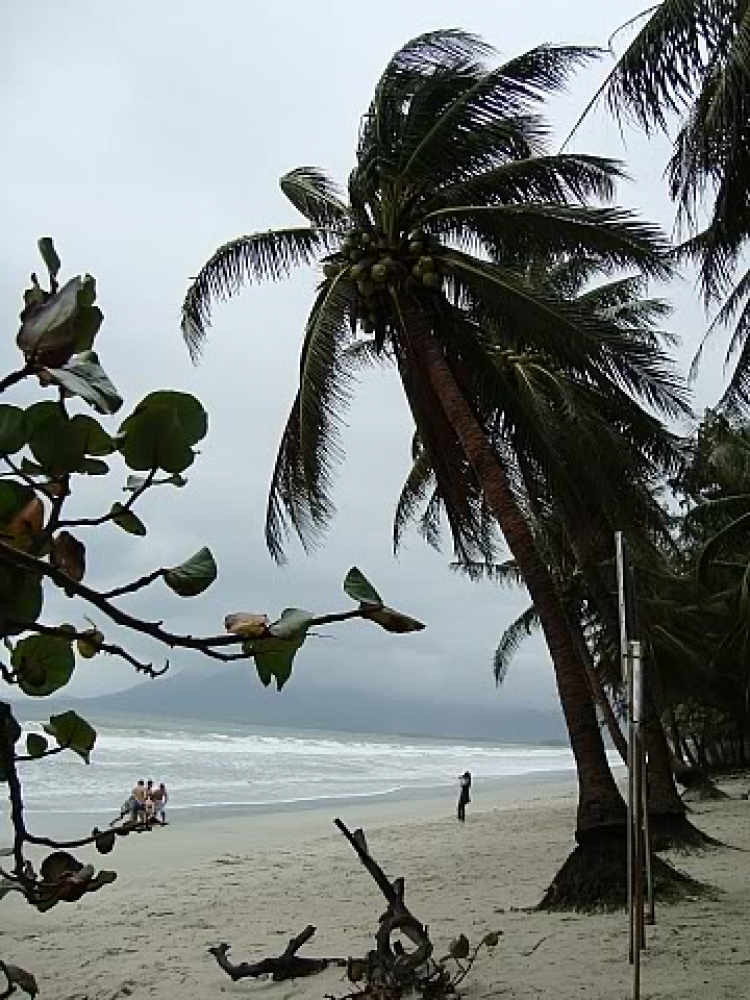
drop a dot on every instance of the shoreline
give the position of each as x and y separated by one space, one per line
433 800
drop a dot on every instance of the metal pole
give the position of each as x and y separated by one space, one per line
650 901
638 799
627 677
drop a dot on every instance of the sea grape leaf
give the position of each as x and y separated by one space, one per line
21 599
161 432
83 376
124 518
245 624
392 621
293 622
193 576
68 554
55 328
73 733
21 515
12 429
49 256
274 658
36 745
43 664
89 643
359 588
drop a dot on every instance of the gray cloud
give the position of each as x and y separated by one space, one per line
141 137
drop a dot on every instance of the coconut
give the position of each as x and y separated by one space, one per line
431 280
357 271
379 272
427 263
331 270
416 248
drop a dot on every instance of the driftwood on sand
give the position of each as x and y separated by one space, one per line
389 968
287 965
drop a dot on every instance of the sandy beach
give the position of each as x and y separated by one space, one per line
256 881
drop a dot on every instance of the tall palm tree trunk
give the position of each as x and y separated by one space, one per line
600 804
664 801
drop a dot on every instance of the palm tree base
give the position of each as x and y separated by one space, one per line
594 877
704 790
670 832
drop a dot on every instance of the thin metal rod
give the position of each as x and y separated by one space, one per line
650 901
627 675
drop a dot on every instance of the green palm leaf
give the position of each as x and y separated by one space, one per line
511 641
260 257
315 196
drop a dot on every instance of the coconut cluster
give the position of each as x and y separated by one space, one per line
371 261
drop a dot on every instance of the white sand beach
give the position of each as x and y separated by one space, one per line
256 881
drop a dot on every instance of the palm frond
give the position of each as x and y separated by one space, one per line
576 338
314 195
458 140
511 641
506 574
261 257
325 385
556 178
419 483
661 68
617 237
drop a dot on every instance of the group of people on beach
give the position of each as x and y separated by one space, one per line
147 803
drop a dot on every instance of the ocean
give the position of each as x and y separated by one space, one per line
245 769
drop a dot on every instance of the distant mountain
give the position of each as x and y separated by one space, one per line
231 695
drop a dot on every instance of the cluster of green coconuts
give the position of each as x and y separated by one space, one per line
373 263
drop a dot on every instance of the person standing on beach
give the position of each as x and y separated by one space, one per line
160 799
464 798
138 801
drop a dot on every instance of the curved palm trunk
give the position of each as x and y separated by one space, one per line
600 804
599 694
664 799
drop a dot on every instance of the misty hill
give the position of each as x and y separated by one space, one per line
232 695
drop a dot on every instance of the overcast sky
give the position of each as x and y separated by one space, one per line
143 135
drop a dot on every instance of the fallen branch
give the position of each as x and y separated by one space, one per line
394 965
288 965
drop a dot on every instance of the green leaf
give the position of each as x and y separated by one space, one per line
36 745
274 658
20 599
93 467
187 409
43 664
392 621
359 588
49 256
293 623
60 444
83 376
127 520
193 576
161 432
53 440
73 733
12 429
96 441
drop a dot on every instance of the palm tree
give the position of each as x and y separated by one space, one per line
690 62
453 191
586 464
